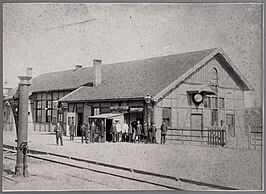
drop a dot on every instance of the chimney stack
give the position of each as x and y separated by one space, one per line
29 71
78 66
97 72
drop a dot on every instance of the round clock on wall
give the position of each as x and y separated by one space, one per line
198 97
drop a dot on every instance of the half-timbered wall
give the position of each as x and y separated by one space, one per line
181 111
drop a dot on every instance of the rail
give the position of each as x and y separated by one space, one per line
212 136
35 154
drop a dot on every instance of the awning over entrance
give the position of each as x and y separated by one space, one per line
108 116
201 88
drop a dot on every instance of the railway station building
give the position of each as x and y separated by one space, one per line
190 91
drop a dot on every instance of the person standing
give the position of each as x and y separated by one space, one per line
164 129
124 131
58 133
72 131
113 132
145 132
134 131
119 131
83 133
153 133
93 130
87 132
138 131
130 133
102 131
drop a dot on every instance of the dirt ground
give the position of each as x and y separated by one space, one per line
46 176
237 168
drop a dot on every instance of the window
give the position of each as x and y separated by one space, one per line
221 102
214 77
214 102
230 122
207 102
39 111
48 111
60 117
214 118
167 116
96 111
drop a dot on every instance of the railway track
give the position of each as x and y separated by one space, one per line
137 176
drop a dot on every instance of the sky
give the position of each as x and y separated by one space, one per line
55 37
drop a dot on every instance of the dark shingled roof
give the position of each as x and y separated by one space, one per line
133 79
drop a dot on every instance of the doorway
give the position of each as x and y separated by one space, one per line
196 125
108 130
70 119
79 124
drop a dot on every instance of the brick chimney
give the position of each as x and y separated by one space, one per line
29 71
78 66
97 72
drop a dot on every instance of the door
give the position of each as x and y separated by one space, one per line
230 122
70 118
196 125
79 124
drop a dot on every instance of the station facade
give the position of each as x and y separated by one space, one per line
194 90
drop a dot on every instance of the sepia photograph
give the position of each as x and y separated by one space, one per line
132 97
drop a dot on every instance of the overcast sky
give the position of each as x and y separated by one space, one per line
55 37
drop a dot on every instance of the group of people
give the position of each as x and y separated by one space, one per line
134 132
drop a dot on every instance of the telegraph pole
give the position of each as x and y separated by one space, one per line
21 168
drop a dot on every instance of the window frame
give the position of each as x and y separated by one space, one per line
168 119
38 111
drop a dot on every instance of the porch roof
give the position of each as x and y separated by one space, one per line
106 116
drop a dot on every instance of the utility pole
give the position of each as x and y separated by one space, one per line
21 168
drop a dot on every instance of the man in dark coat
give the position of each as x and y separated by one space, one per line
102 131
72 131
164 129
58 133
145 131
138 131
93 130
113 132
130 133
83 133
153 133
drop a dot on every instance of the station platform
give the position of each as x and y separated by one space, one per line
214 165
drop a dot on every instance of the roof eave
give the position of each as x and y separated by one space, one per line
185 75
100 100
247 86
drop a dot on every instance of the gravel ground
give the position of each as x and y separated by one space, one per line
237 168
46 176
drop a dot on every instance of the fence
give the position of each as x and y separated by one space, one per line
256 139
255 136
213 136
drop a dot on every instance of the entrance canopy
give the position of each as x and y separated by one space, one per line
115 116
201 88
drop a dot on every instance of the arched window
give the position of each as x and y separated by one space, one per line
214 77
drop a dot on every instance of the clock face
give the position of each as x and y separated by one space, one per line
198 98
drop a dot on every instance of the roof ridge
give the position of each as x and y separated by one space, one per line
214 48
131 61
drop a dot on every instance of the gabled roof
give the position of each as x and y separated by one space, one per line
136 79
220 55
132 79
62 80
